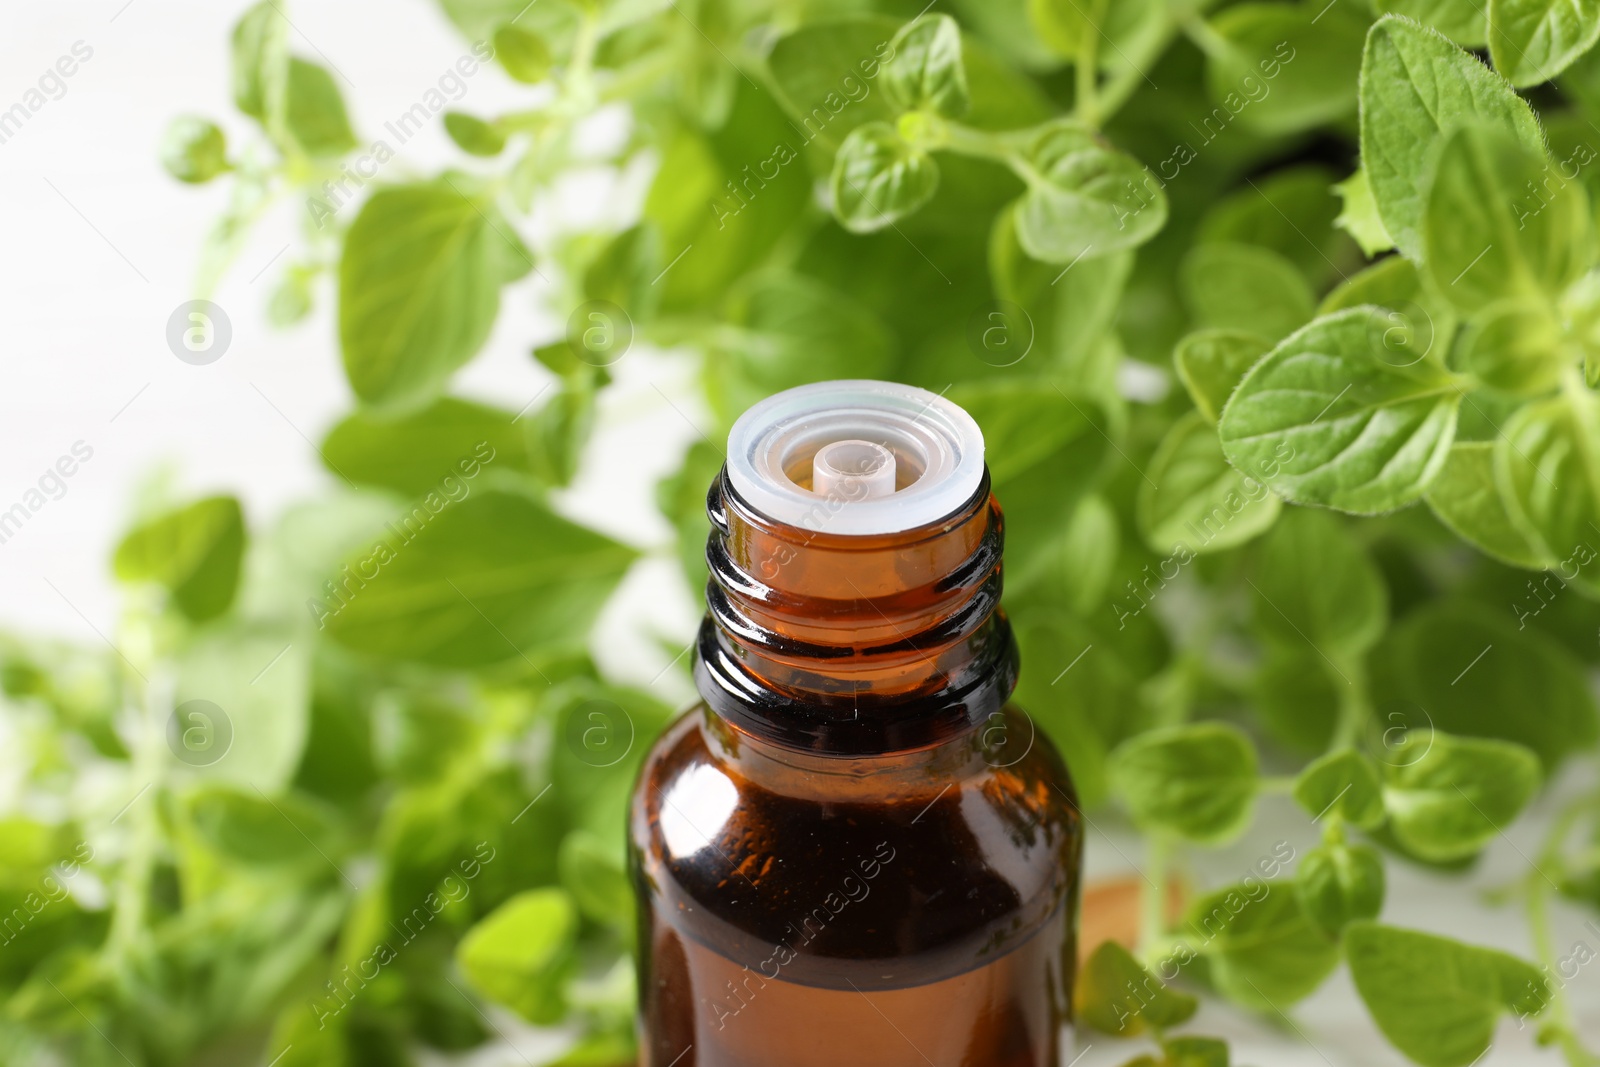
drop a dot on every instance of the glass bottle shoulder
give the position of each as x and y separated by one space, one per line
900 868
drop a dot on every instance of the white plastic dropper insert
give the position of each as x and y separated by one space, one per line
882 457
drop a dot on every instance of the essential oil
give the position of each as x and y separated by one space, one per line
854 849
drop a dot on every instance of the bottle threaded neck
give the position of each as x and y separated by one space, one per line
854 644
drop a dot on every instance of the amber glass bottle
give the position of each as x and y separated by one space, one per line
854 850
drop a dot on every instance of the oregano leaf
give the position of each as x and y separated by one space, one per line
879 178
1416 86
1197 781
1438 1000
1333 417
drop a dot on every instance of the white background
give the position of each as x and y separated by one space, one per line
99 247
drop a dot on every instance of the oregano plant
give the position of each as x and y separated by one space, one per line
1282 323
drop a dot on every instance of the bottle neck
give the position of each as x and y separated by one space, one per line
854 645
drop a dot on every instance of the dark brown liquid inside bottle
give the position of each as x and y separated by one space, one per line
854 850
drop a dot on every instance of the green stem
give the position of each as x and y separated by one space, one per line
1353 705
1208 40
1561 1027
1118 88
1580 401
1086 72
1153 896
980 144
629 80
1125 82
149 762
583 49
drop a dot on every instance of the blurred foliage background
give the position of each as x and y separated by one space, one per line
1279 321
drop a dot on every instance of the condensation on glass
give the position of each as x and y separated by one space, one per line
854 849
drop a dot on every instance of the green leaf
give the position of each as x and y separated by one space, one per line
495 577
596 876
1436 999
290 301
1340 884
1084 199
1295 691
624 269
1045 449
314 115
602 735
1547 467
1189 1051
194 150
1580 311
1468 666
559 431
1318 587
1344 784
1286 67
599 1050
440 449
298 1041
1101 706
824 72
1197 781
926 73
1004 98
1116 995
1467 499
1087 553
1498 223
256 830
1466 22
1419 323
1333 417
1063 24
681 497
251 728
1263 951
522 954
1213 362
1194 499
1531 41
1360 218
1126 27
1415 87
789 330
194 552
473 135
718 220
878 178
1246 289
1448 796
416 736
1289 211
261 61
1070 314
523 54
419 287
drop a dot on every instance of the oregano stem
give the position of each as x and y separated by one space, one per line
1580 401
1153 894
981 144
133 881
1208 40
1086 69
1353 705
1561 1025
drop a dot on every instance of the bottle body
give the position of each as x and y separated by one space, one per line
855 849
906 908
